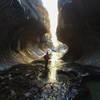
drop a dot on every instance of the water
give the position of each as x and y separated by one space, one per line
94 87
56 62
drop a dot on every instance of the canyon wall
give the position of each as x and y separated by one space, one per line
79 28
24 21
23 26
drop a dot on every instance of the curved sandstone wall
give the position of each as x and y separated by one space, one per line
79 28
23 25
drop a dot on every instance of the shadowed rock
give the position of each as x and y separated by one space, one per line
79 27
23 26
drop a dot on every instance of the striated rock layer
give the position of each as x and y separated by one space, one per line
23 26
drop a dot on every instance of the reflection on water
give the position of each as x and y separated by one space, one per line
56 62
52 8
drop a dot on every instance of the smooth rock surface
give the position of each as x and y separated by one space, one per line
79 28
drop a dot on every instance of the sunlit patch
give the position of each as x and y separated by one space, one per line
52 8
56 63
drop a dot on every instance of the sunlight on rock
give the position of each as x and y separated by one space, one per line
52 9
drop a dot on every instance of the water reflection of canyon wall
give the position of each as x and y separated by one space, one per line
79 28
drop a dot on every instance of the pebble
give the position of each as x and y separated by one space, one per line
53 91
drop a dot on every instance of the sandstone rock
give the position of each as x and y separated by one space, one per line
79 27
23 25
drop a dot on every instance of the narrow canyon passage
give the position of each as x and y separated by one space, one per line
52 8
72 74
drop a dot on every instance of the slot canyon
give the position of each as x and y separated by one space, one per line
49 49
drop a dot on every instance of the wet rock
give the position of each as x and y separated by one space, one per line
19 82
23 82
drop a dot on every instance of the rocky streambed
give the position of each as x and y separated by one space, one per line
30 82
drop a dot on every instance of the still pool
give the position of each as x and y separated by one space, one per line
94 87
